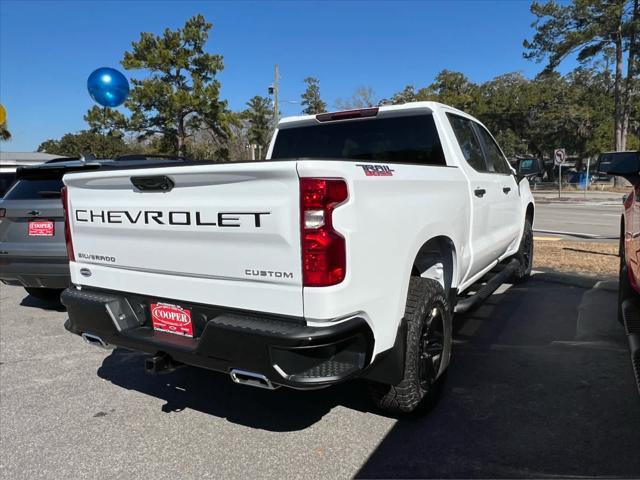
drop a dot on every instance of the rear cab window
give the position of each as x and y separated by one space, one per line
35 189
411 139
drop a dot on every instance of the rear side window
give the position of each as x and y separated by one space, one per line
494 154
6 180
468 141
408 139
35 189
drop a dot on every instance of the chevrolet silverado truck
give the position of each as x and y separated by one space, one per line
343 255
627 165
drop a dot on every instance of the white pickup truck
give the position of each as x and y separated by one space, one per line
343 255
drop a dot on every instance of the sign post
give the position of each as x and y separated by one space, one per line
586 184
559 157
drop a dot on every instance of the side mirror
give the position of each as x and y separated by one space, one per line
621 164
522 176
528 168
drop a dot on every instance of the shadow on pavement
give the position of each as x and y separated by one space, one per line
523 398
215 394
33 302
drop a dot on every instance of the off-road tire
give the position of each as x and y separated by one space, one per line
525 254
46 294
420 388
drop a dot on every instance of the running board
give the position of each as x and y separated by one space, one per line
488 288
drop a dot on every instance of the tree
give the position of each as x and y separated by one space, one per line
105 121
182 93
85 143
259 117
311 97
590 28
205 144
409 94
450 88
5 134
453 88
533 116
363 97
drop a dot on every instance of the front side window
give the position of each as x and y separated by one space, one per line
494 155
468 141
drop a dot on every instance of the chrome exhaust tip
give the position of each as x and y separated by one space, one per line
95 340
251 379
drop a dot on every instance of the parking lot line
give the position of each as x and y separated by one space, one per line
546 239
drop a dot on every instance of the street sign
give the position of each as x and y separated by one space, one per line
559 156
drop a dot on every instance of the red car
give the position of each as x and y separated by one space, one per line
627 165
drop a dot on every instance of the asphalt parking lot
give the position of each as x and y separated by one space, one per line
540 386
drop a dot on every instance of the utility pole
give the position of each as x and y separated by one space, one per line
276 87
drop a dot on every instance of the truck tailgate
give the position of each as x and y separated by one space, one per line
222 234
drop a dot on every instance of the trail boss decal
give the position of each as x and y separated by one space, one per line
376 170
157 217
171 319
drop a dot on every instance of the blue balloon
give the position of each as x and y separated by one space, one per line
108 87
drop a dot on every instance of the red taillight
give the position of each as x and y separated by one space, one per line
3 212
67 225
324 258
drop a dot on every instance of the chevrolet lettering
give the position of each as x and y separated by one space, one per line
185 217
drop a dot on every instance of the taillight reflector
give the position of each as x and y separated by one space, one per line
67 224
324 259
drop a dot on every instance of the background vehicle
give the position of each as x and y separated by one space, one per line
10 161
343 255
627 165
32 245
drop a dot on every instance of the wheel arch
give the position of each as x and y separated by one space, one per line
530 212
437 259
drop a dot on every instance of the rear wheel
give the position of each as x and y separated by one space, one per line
46 294
428 348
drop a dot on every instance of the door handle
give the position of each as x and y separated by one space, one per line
156 183
506 190
479 192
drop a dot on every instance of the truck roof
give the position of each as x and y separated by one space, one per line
383 111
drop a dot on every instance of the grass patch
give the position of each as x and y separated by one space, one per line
579 257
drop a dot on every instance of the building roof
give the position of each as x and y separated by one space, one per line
25 158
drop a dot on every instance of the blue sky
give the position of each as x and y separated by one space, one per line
48 49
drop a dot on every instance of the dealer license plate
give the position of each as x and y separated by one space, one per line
171 319
41 228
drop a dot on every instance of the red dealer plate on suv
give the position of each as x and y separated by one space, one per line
171 319
41 228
